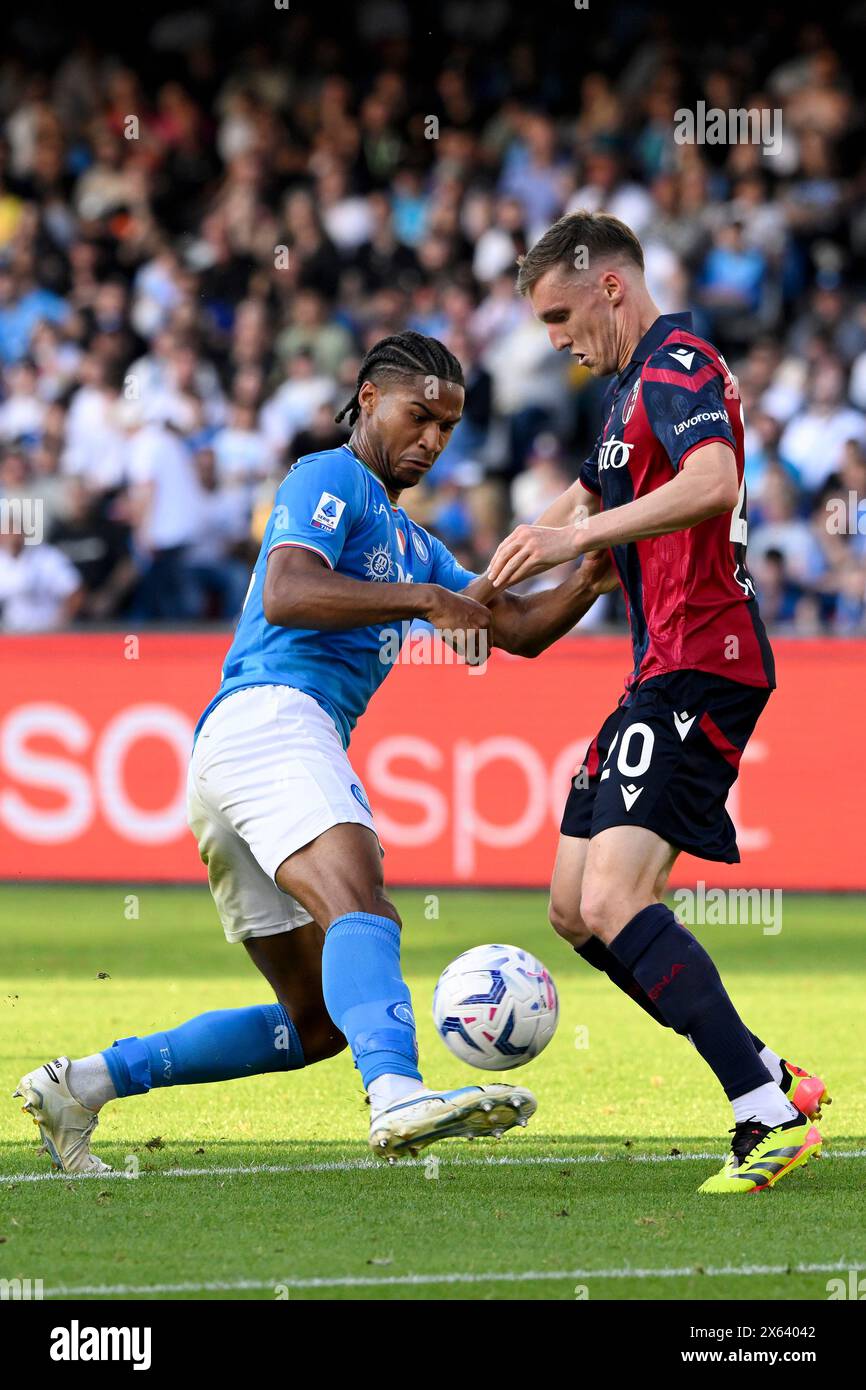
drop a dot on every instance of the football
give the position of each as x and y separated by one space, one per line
496 1007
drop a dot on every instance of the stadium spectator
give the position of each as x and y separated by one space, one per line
292 407
23 411
784 533
40 590
184 302
541 482
164 509
217 563
730 286
814 440
98 547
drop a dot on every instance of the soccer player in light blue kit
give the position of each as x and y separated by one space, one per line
282 820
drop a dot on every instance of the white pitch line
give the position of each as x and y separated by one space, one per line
352 1165
420 1280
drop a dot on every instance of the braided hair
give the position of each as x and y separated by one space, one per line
403 354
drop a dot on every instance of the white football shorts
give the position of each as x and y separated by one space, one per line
267 775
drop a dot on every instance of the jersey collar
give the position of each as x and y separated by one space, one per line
656 334
374 476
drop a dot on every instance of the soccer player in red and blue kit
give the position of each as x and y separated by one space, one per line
664 492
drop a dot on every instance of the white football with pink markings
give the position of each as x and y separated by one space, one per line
496 1007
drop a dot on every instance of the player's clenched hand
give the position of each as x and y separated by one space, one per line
531 550
462 622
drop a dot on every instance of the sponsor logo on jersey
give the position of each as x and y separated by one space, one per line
378 564
328 511
360 796
631 402
421 549
703 416
614 453
684 357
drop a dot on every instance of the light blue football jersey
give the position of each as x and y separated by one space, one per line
332 504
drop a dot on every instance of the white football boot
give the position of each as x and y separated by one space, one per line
64 1123
470 1112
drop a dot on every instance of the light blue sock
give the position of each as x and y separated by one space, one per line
367 997
217 1046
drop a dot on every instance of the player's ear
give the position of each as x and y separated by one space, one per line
368 396
612 286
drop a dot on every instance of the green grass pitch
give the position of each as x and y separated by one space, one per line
261 1188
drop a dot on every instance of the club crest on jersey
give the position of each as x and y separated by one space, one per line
631 402
420 548
328 511
378 563
614 453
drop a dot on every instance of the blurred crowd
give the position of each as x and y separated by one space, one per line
201 233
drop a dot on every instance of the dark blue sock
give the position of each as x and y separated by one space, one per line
367 997
217 1046
675 971
600 957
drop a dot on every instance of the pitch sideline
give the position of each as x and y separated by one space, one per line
371 1165
420 1280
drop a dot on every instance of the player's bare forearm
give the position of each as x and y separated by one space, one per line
706 486
301 591
335 603
527 624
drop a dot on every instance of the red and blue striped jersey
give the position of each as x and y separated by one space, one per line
691 600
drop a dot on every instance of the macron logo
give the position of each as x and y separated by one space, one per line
684 357
684 722
630 795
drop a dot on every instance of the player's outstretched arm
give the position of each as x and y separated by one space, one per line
300 590
526 624
706 486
